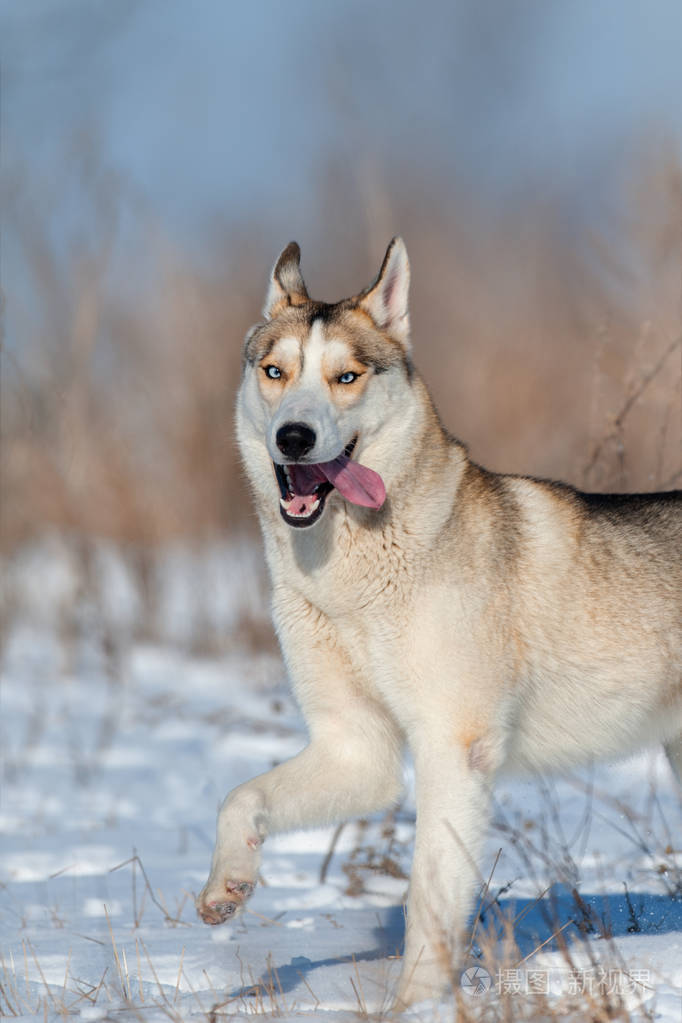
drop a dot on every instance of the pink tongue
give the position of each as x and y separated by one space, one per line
356 482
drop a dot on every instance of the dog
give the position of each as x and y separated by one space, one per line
488 622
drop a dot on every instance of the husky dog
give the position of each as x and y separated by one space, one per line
487 622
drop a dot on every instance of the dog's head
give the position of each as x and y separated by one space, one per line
318 385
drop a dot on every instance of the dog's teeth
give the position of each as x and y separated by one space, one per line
286 503
302 514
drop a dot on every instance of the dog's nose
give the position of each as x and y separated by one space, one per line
295 440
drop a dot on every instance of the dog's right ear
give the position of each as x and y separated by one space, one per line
386 299
287 286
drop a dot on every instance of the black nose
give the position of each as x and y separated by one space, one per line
295 440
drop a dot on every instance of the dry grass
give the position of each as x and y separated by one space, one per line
547 356
586 978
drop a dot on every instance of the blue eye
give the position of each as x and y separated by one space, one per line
273 372
348 378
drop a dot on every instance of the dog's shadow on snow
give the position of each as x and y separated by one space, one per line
566 912
388 938
535 922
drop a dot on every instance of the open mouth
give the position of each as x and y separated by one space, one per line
297 507
304 488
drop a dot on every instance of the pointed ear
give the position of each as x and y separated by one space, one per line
287 286
386 299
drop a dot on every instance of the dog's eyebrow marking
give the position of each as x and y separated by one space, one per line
287 348
369 345
339 349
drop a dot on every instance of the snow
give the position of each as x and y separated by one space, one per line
119 743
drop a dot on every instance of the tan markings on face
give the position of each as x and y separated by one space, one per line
261 340
339 360
370 344
284 358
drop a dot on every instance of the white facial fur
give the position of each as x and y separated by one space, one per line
308 401
384 417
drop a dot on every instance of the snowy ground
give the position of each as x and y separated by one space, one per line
118 744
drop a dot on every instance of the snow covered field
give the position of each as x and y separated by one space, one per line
126 719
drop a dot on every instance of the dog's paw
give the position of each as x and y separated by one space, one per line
216 904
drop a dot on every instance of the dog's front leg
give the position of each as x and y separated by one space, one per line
452 813
352 766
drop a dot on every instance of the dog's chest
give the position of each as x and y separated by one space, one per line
354 579
366 597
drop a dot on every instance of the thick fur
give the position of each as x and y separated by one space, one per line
488 622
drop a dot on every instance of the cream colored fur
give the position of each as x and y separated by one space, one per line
485 622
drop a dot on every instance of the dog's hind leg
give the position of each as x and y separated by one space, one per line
351 766
673 750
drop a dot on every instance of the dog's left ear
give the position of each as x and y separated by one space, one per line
287 286
386 299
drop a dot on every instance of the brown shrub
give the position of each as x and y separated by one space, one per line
546 357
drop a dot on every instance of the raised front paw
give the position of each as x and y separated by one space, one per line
216 903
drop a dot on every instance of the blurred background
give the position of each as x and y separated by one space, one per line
155 158
157 155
